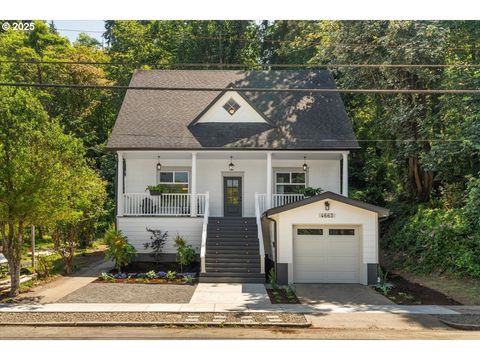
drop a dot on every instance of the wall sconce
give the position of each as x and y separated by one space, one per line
159 166
305 166
231 166
327 206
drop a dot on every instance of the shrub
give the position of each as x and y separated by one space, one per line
188 279
272 278
383 285
161 274
44 266
311 191
185 253
119 250
158 240
151 274
438 239
106 276
171 275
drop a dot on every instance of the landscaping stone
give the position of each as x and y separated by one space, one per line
154 318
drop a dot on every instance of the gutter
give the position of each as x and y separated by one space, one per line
274 240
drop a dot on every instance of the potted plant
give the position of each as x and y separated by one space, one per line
310 191
156 189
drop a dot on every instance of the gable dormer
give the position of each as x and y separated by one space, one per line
230 107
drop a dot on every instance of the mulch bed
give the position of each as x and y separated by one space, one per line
155 318
144 267
145 281
282 297
405 292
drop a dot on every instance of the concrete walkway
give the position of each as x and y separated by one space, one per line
230 295
55 290
224 307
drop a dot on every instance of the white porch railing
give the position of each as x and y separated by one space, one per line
284 199
262 202
258 215
140 204
203 249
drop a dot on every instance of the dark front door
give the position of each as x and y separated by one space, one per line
232 196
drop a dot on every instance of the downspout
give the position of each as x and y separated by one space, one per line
274 240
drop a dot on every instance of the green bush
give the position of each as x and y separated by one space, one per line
119 250
171 275
438 239
185 253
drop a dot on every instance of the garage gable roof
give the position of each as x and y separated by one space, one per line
382 212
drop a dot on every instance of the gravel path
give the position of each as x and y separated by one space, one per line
156 317
131 293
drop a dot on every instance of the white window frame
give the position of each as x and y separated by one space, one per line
290 183
173 171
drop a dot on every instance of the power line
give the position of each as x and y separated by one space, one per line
308 44
325 66
245 89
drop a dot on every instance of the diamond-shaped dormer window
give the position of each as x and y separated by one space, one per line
231 106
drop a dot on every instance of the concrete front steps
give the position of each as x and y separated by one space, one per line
232 251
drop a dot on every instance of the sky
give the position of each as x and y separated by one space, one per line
71 28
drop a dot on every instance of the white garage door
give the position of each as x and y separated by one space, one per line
326 254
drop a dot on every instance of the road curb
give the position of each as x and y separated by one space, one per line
471 327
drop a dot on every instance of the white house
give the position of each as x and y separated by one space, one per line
232 165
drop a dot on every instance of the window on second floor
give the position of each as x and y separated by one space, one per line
174 181
290 182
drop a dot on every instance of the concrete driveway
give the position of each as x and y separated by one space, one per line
339 294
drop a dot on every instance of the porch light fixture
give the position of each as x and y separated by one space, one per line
327 206
231 166
305 166
159 166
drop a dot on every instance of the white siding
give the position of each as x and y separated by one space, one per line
135 229
324 174
210 178
344 215
143 172
245 114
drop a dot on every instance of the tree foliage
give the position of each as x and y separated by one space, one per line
37 164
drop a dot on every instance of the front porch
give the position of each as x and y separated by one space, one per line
191 179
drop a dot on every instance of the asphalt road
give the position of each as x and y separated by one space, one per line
24 332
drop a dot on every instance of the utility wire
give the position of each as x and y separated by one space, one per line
245 89
325 66
308 43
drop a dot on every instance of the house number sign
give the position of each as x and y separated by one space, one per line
326 215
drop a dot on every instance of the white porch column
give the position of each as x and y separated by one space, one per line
193 191
345 175
120 184
269 181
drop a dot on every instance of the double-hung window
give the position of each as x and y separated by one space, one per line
174 181
289 182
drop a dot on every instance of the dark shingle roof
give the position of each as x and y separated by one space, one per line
382 212
152 119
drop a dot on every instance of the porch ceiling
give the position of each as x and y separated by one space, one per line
283 155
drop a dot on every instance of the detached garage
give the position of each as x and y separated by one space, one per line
326 238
